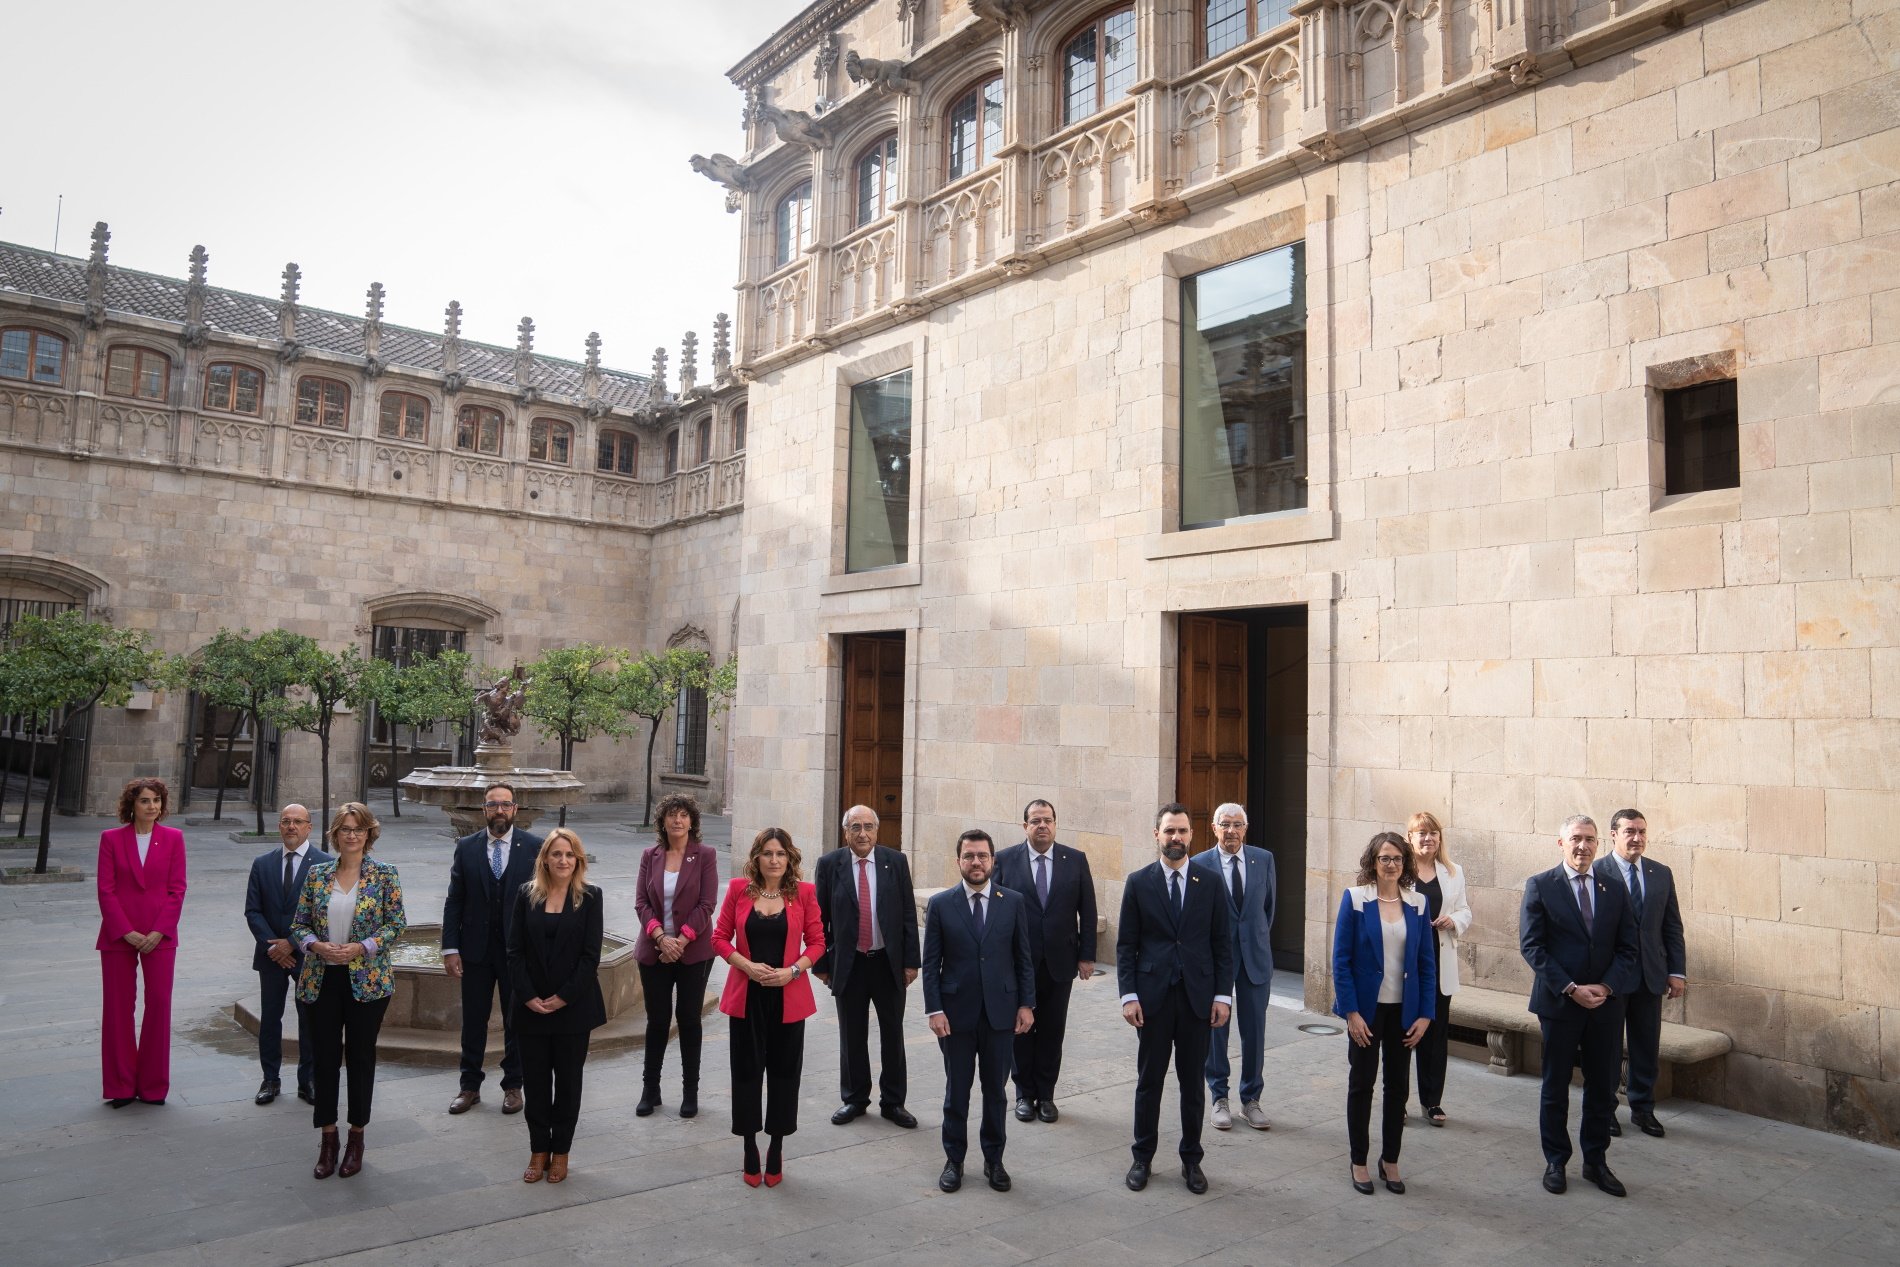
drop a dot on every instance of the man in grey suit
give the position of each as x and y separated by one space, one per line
1652 895
1246 875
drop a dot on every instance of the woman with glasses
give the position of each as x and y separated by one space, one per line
1443 885
674 896
348 914
1385 978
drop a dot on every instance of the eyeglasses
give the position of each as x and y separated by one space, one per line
856 828
498 804
1391 859
352 831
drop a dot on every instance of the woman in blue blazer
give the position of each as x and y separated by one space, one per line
1385 984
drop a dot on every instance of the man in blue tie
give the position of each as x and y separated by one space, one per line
270 902
1652 891
489 866
1247 877
1578 934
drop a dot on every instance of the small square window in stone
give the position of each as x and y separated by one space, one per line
1243 388
877 500
1701 448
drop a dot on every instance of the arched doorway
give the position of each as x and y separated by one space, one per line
405 627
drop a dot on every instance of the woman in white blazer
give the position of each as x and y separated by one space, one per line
1443 885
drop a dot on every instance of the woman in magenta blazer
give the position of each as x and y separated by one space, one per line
674 896
769 933
141 892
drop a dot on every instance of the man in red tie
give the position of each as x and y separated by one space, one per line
871 958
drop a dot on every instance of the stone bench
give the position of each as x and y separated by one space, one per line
1506 1019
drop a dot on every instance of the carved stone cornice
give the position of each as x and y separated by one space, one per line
793 39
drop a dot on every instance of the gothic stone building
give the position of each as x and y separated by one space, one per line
181 458
1348 408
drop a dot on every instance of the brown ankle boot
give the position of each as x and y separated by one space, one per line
557 1167
326 1156
352 1154
537 1166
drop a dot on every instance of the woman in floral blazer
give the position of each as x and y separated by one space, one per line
349 912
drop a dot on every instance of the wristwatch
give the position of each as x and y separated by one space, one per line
797 972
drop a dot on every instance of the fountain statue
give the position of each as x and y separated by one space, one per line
458 790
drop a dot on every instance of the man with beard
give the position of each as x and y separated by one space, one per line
489 866
1174 966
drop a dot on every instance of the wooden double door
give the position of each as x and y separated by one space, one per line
871 764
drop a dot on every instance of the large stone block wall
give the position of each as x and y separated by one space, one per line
1508 623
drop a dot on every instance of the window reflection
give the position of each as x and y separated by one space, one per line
877 515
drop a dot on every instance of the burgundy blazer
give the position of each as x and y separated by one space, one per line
693 902
140 898
729 936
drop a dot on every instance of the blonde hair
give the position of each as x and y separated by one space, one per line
1425 820
543 882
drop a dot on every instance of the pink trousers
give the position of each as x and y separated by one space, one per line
137 1066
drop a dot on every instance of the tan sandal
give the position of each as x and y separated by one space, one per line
537 1166
557 1168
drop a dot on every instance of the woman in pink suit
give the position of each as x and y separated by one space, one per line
141 892
769 933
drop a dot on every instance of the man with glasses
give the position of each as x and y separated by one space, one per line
489 866
1055 882
270 902
1246 874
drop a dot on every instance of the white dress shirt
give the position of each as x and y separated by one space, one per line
145 845
870 878
969 901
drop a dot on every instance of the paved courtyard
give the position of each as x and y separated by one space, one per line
211 1178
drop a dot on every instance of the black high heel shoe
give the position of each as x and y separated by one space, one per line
1362 1186
1395 1186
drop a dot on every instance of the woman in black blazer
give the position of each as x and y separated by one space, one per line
554 961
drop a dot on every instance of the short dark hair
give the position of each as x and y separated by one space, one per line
1623 815
1038 801
499 786
129 795
975 833
1369 860
678 800
1172 807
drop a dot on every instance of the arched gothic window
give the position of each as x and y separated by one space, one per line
138 372
322 402
36 356
877 179
976 128
234 389
550 440
1230 23
1098 64
794 224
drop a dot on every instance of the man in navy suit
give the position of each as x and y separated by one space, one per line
1578 934
979 992
870 919
270 901
1246 874
489 866
1652 892
1174 967
1054 881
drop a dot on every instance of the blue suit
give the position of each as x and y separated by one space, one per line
977 980
1061 934
1563 951
1662 956
1253 968
268 910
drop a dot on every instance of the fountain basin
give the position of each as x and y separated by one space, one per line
458 790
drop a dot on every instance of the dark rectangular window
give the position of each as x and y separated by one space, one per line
689 732
877 509
1701 447
1243 388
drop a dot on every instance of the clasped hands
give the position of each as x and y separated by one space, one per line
1590 995
337 954
144 943
670 947
766 974
553 1003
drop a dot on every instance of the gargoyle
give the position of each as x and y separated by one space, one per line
721 169
794 125
887 75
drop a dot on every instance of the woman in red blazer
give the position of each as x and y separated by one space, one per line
769 933
141 893
674 896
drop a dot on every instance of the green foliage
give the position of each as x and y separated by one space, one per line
573 693
244 674
650 686
427 689
322 682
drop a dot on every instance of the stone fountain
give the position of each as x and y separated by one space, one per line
458 789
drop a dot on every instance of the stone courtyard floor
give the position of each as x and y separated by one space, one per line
211 1178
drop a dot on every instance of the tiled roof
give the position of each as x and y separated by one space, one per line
63 277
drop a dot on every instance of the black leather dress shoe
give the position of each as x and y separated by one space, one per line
899 1114
1554 1181
266 1091
1025 1110
952 1177
1647 1123
847 1113
1616 1127
1047 1111
1602 1178
1191 1175
119 1101
307 1095
1137 1176
998 1177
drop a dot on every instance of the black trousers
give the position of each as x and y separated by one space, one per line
1593 1038
1433 1051
674 992
874 982
1642 1019
1170 1033
968 1055
278 984
551 1066
343 1031
480 983
767 1055
1362 1064
1037 1055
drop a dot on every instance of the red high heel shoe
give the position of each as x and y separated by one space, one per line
751 1177
774 1178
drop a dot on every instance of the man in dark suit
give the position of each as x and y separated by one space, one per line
1054 881
1246 874
979 992
1652 893
489 866
1174 967
270 901
1578 934
870 960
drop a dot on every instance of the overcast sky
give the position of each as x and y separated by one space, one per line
528 159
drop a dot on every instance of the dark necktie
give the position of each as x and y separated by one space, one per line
290 871
865 913
1239 885
1583 903
976 909
1042 879
1174 889
1636 890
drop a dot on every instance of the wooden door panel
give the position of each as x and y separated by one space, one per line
1211 720
873 731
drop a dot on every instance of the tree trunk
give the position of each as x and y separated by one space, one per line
653 736
395 792
323 748
224 766
32 758
567 763
257 767
52 790
6 764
